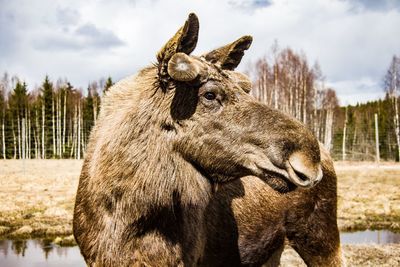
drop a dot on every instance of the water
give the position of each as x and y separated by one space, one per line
377 237
35 253
38 253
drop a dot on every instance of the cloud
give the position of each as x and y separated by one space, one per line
67 16
357 91
97 37
353 41
381 5
84 37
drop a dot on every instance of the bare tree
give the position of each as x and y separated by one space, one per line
392 84
286 82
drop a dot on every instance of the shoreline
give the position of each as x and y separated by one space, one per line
38 200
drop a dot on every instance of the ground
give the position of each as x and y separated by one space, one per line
37 199
368 195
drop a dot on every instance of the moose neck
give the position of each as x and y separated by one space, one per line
155 174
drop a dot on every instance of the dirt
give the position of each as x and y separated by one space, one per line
37 199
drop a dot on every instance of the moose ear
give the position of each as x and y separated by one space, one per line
229 56
182 68
184 41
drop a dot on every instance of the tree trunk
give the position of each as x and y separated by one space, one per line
64 122
275 85
397 125
344 137
53 126
37 130
328 129
3 138
377 138
79 131
23 138
14 139
19 136
74 136
28 138
43 140
304 102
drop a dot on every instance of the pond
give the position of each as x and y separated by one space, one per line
18 253
38 253
368 236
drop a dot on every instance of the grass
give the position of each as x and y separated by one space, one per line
368 196
37 199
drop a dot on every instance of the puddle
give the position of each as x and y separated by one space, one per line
38 253
18 253
377 237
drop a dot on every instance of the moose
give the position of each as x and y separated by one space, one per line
166 140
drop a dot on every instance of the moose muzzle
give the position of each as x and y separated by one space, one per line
301 171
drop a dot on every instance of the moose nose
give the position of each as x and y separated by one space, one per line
303 171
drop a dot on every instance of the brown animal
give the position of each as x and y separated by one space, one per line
164 139
248 222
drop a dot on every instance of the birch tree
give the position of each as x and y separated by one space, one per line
392 85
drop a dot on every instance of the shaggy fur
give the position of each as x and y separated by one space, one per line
248 222
159 146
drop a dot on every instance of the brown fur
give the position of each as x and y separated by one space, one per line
248 222
158 147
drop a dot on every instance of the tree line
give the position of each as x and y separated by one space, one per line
355 128
354 131
51 121
55 119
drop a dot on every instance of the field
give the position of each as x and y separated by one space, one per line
37 199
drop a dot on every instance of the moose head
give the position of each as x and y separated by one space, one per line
218 127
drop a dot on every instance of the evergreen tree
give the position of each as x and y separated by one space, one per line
19 107
47 102
108 84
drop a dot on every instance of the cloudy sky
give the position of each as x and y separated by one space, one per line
353 41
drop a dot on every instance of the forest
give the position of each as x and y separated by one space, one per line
54 120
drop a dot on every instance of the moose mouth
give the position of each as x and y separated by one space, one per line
295 171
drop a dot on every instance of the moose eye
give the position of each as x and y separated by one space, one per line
210 96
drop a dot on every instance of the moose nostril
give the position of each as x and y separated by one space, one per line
302 170
301 175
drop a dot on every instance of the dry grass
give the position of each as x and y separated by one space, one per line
369 196
37 199
355 255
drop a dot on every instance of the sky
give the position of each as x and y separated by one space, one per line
353 41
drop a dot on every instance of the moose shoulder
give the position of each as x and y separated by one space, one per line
247 222
163 139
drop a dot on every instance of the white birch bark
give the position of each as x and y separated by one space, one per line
19 136
43 137
64 121
3 138
79 131
53 125
344 137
